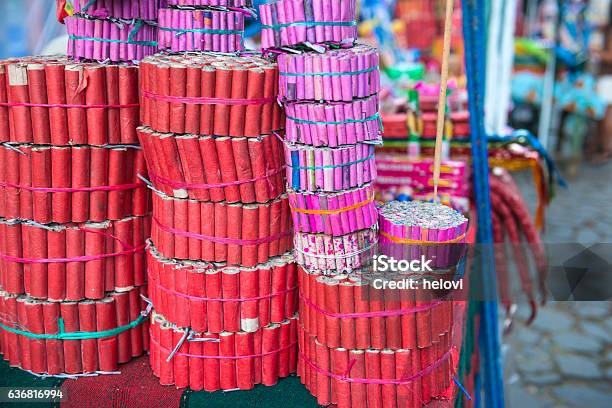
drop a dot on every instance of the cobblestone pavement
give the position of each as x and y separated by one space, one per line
564 359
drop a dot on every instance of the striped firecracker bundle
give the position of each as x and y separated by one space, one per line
329 169
336 254
72 261
86 337
225 361
238 234
207 168
207 94
203 3
410 230
287 22
64 184
102 39
349 311
424 167
200 30
120 9
371 378
54 100
338 75
333 124
334 214
218 298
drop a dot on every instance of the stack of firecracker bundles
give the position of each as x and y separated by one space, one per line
222 280
358 346
74 214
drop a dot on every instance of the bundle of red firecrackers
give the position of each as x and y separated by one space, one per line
221 279
74 215
77 183
88 336
364 346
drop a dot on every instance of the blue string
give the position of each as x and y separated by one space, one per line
88 5
462 388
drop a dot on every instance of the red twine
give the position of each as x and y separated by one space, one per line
220 240
207 100
403 380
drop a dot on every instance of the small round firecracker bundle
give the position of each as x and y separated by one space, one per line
413 229
239 234
72 261
337 75
54 100
246 170
375 378
73 337
124 9
223 3
333 213
348 311
200 30
333 124
336 254
207 94
216 298
287 22
72 183
113 39
225 361
329 169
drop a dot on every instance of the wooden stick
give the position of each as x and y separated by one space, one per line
442 99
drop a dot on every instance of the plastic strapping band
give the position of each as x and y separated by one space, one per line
88 5
312 24
178 345
403 380
382 313
62 335
291 345
376 116
190 297
332 166
64 105
84 258
220 240
176 184
315 74
208 101
120 187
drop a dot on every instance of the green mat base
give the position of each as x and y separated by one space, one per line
288 393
